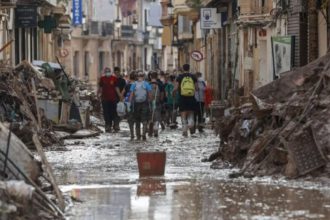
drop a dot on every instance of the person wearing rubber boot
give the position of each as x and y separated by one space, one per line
108 91
130 113
171 103
156 100
199 96
139 98
186 85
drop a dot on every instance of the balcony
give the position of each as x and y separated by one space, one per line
127 32
181 8
98 29
184 28
254 7
166 18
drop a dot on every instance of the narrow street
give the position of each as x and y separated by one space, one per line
258 70
101 175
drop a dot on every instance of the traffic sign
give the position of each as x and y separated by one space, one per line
197 55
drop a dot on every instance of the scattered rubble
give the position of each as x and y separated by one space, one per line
37 102
62 104
22 178
284 129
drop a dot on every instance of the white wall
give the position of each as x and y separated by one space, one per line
323 36
104 10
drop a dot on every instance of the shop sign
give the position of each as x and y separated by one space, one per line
77 15
210 19
26 16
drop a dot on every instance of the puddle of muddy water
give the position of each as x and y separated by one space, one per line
190 189
156 199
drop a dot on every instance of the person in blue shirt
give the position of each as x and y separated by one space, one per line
140 95
127 92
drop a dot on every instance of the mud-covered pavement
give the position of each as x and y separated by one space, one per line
101 174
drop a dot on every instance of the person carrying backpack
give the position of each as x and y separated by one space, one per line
130 115
186 85
156 100
139 97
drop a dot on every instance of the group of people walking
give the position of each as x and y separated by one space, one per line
152 100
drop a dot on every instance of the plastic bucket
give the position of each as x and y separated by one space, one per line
151 163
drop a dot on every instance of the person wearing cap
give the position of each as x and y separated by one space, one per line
139 99
109 93
186 85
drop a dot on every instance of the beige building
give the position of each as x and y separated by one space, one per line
257 42
36 38
119 37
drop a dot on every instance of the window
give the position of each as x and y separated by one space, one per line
101 61
76 64
86 60
185 25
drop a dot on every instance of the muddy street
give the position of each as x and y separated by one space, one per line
101 176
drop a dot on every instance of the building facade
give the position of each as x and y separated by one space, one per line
34 37
257 42
114 33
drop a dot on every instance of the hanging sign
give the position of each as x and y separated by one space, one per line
197 55
210 19
26 16
77 12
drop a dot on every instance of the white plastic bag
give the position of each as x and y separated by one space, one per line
121 109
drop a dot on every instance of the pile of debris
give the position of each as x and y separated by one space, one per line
284 129
18 100
41 98
28 189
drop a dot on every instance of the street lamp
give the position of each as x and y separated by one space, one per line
153 30
170 8
135 24
117 23
160 30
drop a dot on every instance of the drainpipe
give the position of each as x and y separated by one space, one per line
143 28
222 67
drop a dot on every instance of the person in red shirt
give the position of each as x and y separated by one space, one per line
109 93
208 98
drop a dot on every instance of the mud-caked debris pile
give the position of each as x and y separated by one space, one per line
28 189
41 99
18 98
284 129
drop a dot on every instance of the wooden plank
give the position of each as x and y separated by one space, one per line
65 111
19 154
34 92
49 172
